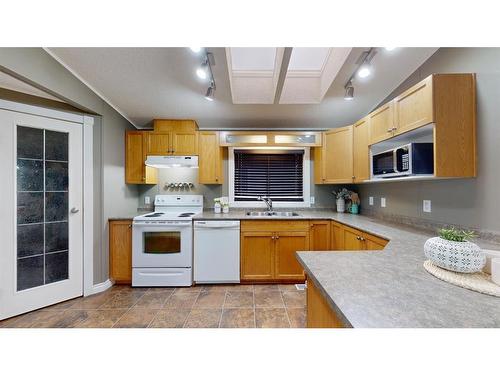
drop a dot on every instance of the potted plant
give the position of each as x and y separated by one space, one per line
340 197
453 251
217 205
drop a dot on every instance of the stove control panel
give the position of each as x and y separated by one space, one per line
179 200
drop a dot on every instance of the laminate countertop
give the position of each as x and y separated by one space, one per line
390 288
240 214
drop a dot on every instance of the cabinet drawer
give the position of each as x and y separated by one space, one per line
274 225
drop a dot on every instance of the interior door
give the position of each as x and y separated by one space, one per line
41 218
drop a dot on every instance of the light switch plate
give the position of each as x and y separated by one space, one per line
147 200
370 201
382 202
426 206
311 200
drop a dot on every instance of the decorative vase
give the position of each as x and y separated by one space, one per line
340 205
217 208
354 208
465 257
225 209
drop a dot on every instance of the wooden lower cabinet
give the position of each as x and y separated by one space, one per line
268 250
319 235
286 245
348 238
319 312
257 255
120 251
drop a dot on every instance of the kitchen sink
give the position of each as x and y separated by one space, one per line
273 213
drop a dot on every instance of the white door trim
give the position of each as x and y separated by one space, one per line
87 123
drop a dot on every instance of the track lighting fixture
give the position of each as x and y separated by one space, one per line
349 91
205 72
210 92
364 70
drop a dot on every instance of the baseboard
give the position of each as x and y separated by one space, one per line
101 287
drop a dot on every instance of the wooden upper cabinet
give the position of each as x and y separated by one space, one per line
361 152
337 155
414 108
319 234
158 143
173 137
210 162
257 256
287 244
120 250
382 123
184 143
136 172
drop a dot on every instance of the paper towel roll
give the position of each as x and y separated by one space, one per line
495 270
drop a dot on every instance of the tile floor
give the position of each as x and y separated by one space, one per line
214 306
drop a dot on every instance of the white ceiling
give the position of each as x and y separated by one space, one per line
11 83
148 83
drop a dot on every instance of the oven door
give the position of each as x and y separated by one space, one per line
162 245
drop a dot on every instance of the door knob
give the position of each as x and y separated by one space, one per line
74 210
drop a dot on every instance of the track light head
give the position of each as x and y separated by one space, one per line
210 92
365 70
349 92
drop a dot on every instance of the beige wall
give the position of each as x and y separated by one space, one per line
465 202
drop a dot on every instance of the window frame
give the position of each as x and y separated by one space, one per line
306 179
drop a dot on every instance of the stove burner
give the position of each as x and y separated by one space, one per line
154 214
186 214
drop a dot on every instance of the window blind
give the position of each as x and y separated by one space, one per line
274 174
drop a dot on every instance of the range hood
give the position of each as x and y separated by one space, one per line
156 161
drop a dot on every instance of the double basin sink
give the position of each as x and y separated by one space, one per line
272 213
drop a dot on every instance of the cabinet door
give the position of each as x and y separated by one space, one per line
158 143
135 170
361 159
337 240
120 250
210 162
184 143
413 108
257 255
287 266
382 123
352 239
317 155
337 155
320 235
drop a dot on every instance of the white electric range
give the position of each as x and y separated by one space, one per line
162 242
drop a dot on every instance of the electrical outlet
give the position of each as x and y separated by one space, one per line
382 202
147 200
427 205
311 200
370 201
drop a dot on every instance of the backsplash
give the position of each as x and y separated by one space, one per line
322 193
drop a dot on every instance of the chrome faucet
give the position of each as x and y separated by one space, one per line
268 202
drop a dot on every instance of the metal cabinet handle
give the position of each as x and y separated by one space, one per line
277 237
358 238
273 238
74 210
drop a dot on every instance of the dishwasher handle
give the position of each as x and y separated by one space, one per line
216 224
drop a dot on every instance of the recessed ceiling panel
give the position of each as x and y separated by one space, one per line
253 59
308 58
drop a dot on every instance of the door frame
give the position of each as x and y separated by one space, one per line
87 123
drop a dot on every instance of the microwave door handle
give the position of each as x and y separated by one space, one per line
395 160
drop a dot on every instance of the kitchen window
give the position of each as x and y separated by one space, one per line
281 174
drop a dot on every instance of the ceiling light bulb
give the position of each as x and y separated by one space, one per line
201 72
195 49
349 93
364 71
390 48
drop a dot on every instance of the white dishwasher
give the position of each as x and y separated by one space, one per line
216 252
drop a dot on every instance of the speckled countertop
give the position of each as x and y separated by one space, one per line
390 288
240 214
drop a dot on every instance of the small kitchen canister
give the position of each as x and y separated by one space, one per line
217 207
